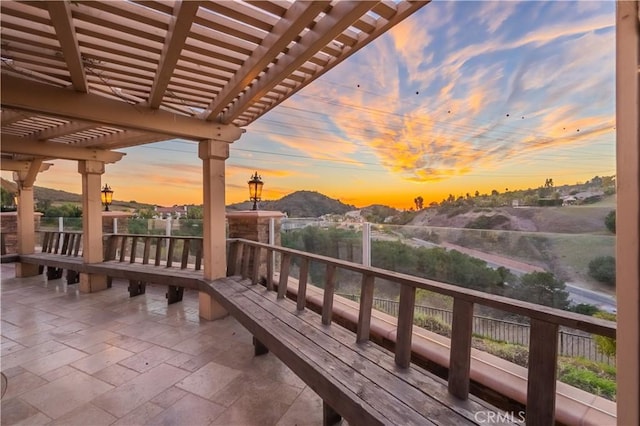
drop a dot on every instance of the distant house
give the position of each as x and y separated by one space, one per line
174 212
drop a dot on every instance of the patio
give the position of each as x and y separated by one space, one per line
127 361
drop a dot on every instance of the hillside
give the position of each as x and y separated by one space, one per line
300 204
570 219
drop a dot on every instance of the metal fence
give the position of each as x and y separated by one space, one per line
570 344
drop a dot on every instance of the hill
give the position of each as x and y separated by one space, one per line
300 204
583 219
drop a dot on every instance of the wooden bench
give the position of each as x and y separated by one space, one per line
131 256
60 251
357 381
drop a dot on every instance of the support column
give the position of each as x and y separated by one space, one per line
91 172
628 210
214 251
25 227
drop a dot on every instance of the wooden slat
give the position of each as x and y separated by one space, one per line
302 285
246 250
285 267
123 248
541 385
366 304
186 245
46 237
134 247
65 243
255 274
198 265
460 354
233 258
329 288
405 326
56 243
76 247
158 259
146 251
170 252
270 257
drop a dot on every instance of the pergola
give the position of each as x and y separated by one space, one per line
80 79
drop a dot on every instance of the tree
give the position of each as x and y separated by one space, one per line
7 202
610 221
419 202
542 288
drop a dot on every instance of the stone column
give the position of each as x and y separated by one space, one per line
254 225
213 154
92 251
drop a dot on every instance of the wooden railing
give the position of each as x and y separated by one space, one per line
244 259
158 250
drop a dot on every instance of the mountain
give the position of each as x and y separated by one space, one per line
300 204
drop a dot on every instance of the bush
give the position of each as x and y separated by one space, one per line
432 324
610 221
603 269
606 345
584 309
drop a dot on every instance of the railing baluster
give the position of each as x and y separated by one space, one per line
134 246
56 245
65 243
366 304
186 243
329 288
76 246
235 248
541 386
285 266
172 243
302 284
246 251
255 274
159 244
123 248
405 326
269 269
146 251
198 254
460 355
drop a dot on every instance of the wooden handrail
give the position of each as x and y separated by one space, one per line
545 321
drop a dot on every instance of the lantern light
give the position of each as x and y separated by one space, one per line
255 189
106 196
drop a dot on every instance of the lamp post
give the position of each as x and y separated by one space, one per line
106 196
255 190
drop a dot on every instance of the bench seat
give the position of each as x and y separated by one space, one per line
360 381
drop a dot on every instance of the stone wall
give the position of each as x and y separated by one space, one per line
9 230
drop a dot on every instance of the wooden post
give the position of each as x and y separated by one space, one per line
26 236
285 266
460 357
541 386
255 273
405 326
214 245
329 287
302 284
366 304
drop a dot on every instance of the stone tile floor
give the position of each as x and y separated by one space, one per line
107 359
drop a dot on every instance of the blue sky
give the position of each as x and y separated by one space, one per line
461 96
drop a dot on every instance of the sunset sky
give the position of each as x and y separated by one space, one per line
462 96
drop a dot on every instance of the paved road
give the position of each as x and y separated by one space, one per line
577 293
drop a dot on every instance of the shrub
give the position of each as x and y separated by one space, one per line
605 345
603 269
432 324
584 309
610 221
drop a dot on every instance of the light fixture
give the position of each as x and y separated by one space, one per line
255 190
106 196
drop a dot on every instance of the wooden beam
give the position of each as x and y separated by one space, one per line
184 15
256 92
32 174
22 165
17 145
341 16
23 94
298 17
123 139
64 129
60 13
10 117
